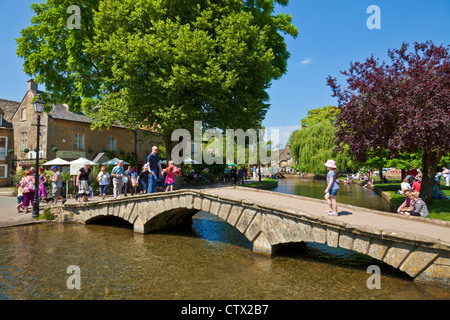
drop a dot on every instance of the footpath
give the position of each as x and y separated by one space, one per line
9 216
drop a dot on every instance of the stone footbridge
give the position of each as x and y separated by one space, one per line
420 247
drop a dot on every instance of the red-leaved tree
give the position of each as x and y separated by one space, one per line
403 106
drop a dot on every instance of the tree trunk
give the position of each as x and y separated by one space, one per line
430 161
381 174
403 174
168 145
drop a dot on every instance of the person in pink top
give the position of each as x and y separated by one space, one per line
170 171
405 206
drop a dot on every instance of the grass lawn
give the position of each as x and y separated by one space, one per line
264 181
440 209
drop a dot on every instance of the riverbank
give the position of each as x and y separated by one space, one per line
265 184
440 209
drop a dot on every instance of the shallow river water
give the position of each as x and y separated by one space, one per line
209 260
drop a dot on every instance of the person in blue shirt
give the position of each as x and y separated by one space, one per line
332 187
117 173
154 167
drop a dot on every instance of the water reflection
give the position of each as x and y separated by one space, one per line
348 194
210 260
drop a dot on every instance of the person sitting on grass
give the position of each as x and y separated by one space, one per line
418 206
438 193
405 206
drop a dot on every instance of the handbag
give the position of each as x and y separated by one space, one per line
29 186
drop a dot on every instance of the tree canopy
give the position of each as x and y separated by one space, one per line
401 107
160 63
315 142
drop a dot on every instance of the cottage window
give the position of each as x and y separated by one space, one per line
1 120
23 140
23 115
111 143
3 145
3 171
78 141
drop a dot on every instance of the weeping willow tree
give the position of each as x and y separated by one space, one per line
315 142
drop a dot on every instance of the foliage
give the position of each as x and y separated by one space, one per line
46 215
315 142
159 63
402 107
324 114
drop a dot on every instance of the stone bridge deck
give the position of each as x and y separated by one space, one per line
418 246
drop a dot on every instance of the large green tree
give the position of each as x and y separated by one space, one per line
159 63
315 142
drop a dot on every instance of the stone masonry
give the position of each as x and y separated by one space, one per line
271 227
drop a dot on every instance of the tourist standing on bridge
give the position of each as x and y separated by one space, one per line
56 185
143 179
332 187
117 174
83 181
103 180
154 167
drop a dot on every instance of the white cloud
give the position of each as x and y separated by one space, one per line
307 61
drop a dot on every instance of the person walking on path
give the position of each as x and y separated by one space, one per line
83 182
241 174
133 179
126 181
42 182
170 171
103 180
28 188
19 198
154 167
56 186
117 174
332 187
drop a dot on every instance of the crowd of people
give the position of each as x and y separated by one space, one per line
124 180
27 187
234 175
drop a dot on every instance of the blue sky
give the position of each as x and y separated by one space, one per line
332 33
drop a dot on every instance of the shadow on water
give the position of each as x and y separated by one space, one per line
111 221
218 233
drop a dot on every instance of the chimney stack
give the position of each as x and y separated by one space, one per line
32 85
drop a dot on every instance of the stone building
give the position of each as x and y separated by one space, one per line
7 111
68 135
286 159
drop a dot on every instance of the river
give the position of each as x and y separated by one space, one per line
209 260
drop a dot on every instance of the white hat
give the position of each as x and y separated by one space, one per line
331 164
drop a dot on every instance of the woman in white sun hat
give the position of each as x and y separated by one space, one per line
332 187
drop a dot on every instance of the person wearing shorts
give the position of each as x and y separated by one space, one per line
332 187
56 185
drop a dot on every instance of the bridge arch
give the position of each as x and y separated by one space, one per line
270 228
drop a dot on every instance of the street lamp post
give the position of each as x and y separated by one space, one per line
38 106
